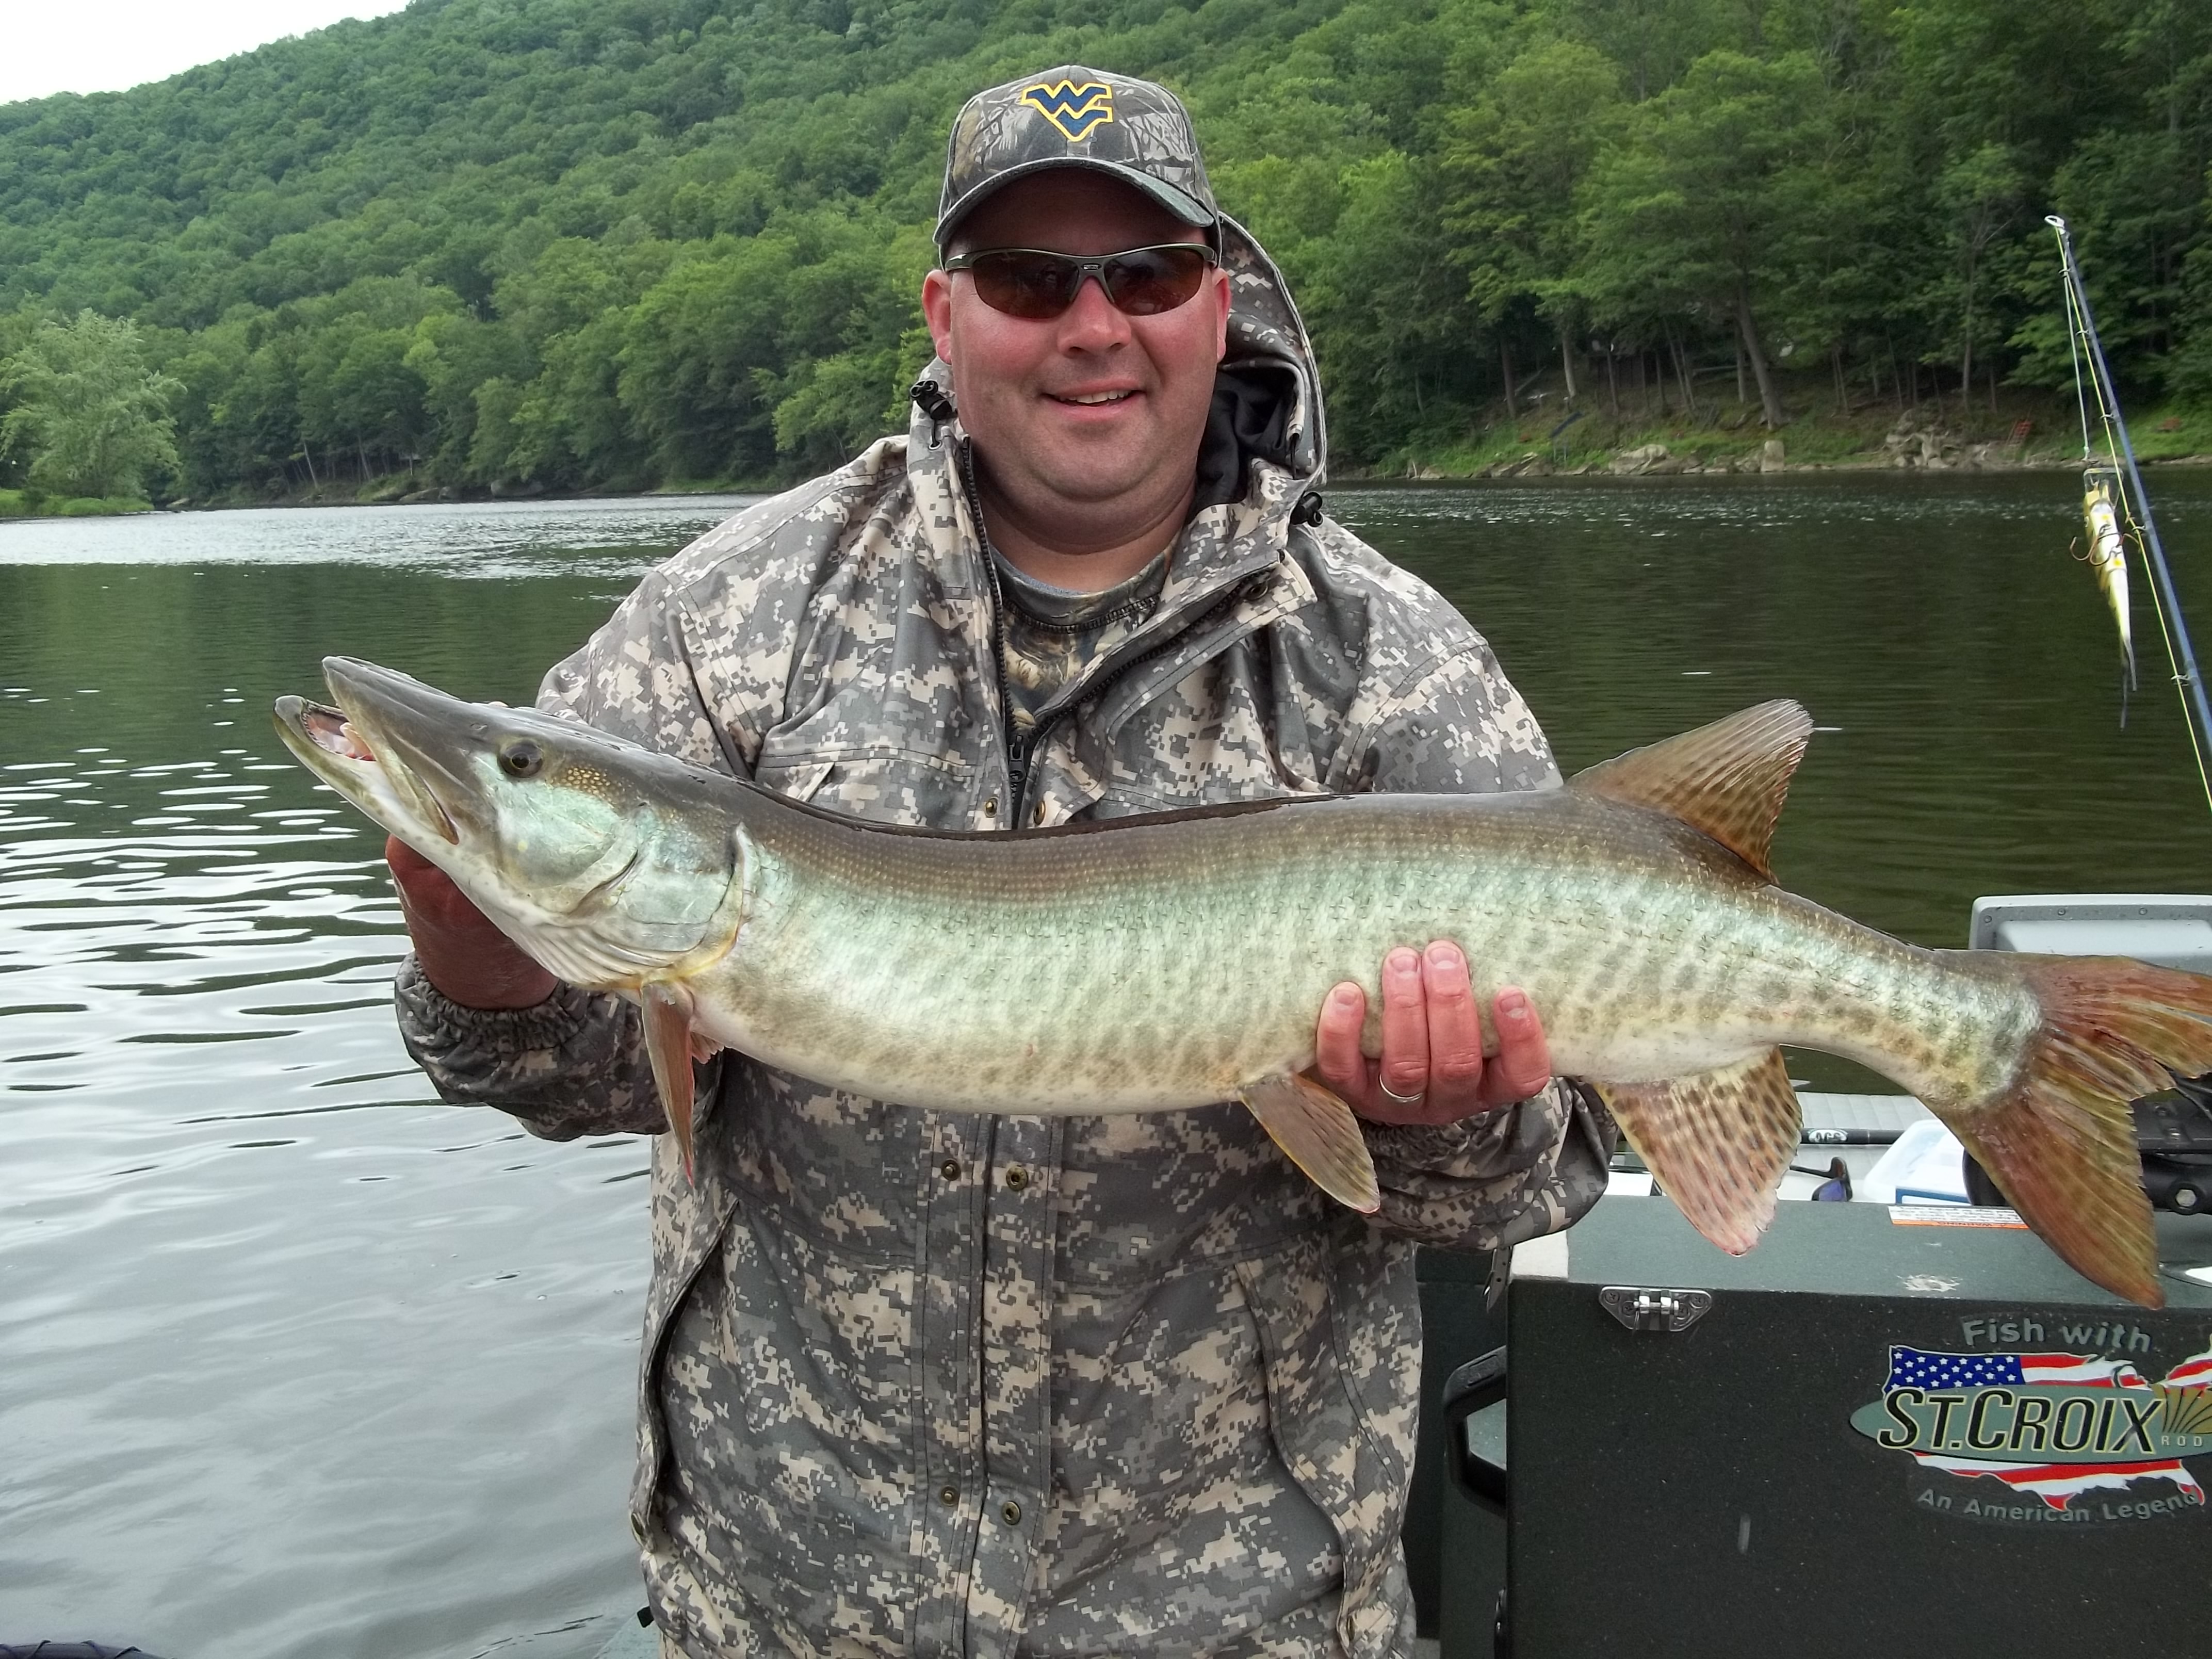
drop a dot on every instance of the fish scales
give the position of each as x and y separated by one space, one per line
1092 972
1151 964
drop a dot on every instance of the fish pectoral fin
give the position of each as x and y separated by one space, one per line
668 1005
1717 1142
1727 780
1318 1132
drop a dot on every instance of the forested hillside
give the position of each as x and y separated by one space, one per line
620 243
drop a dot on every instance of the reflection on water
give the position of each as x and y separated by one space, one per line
488 541
298 1360
301 1361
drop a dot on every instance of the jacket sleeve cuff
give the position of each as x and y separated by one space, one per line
572 1064
1499 1177
433 1025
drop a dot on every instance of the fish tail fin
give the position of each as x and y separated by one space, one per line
2059 1139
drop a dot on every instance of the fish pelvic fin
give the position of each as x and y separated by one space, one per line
1727 780
1319 1133
1717 1142
668 1004
2059 1140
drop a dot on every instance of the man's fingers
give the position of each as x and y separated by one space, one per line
428 893
1454 1028
458 947
1432 1042
1336 1042
1405 1026
1397 1090
404 861
1523 1062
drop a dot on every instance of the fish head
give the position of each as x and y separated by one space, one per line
607 863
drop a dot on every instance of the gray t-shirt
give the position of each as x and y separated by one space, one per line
1052 634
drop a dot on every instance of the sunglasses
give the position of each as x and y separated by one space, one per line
1835 1180
1140 281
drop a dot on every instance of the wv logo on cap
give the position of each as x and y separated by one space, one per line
1073 109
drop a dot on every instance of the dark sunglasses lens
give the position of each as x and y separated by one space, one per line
1034 285
1153 280
1142 284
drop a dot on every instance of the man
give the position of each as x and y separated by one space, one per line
937 1383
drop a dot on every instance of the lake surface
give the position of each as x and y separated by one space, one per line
299 1362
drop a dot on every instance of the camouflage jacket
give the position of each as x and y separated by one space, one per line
935 1383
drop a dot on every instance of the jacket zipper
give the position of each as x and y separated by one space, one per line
1096 692
1020 757
1016 756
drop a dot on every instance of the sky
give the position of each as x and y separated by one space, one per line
105 45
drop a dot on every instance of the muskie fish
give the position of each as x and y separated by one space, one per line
1156 962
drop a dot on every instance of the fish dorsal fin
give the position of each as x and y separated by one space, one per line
1727 780
1718 1143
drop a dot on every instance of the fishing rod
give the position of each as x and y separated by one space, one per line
2134 501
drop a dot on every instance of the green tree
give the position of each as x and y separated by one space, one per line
361 389
1712 202
1511 162
1656 41
599 245
1394 328
91 417
16 328
1980 194
2033 75
2190 370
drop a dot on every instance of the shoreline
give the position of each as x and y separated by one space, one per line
1934 457
1534 465
1506 472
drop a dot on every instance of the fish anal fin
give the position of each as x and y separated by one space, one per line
1717 1142
668 1005
1318 1132
1727 780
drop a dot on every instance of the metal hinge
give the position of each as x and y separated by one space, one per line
1643 1310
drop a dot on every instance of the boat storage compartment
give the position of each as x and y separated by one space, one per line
1879 1431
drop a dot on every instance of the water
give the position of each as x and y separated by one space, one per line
1962 669
299 1362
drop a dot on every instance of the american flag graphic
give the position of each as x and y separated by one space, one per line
2195 1373
2054 1482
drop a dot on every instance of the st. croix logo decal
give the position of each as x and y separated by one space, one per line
2074 1437
1073 108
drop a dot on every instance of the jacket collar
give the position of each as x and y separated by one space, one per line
1230 561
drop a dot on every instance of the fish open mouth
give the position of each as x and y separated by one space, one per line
334 747
330 731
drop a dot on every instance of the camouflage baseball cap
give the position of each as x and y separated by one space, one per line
1073 116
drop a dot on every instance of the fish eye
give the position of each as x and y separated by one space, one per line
521 759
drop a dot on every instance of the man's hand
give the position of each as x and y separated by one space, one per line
468 959
1432 1060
